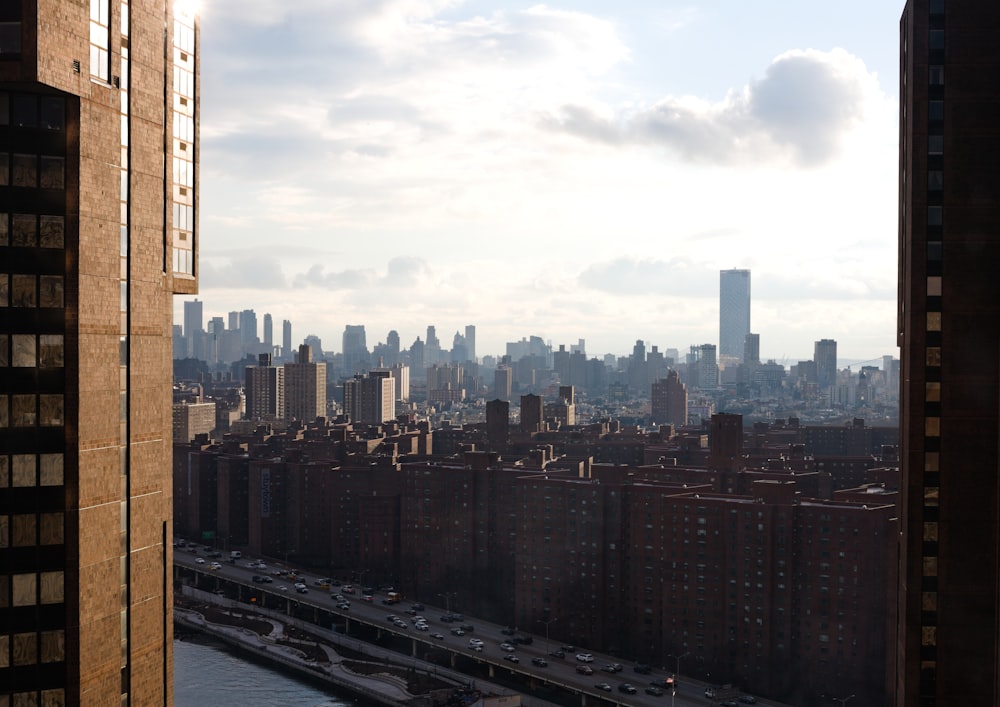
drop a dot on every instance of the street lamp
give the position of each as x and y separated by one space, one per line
673 692
547 622
447 600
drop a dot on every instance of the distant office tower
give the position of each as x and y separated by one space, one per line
401 374
459 349
268 332
470 341
370 398
355 349
194 328
751 349
305 387
949 307
286 338
532 413
233 319
265 385
825 356
97 233
316 344
734 312
497 424
669 401
392 348
503 379
703 367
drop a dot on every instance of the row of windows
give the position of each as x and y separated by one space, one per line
32 171
31 231
27 110
31 649
32 350
31 530
31 589
20 290
28 470
30 410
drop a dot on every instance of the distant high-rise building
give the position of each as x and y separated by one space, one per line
305 387
194 328
532 413
98 231
734 312
392 348
503 379
268 332
751 349
949 306
248 331
316 344
825 356
432 347
669 400
470 341
497 424
233 319
401 374
286 338
355 349
370 398
265 386
703 368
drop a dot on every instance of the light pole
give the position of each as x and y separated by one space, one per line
447 600
673 692
547 622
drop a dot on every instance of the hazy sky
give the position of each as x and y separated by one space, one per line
575 169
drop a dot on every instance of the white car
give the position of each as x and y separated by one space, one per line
199 560
215 566
473 642
585 657
506 647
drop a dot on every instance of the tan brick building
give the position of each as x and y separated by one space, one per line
98 174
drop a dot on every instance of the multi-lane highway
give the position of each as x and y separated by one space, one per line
535 661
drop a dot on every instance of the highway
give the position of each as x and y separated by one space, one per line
558 671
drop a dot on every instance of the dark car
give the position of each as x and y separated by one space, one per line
468 628
603 686
642 669
667 683
654 690
418 607
747 699
512 658
540 662
627 688
523 640
508 631
728 703
558 654
584 670
611 668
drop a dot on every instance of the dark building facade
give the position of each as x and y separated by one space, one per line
949 306
98 184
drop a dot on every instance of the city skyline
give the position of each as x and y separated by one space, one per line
581 170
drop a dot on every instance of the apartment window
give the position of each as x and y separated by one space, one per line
100 39
936 75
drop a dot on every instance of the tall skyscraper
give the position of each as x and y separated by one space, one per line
734 313
286 338
669 401
949 306
98 175
470 341
265 386
305 387
268 332
825 356
194 318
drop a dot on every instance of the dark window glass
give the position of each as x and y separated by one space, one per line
10 38
935 110
934 250
25 111
937 38
53 113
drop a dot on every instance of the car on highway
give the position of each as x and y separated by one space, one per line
585 657
540 662
584 670
710 692
627 688
642 669
728 703
343 606
439 636
512 658
558 654
200 560
421 626
475 642
457 632
347 589
507 647
654 690
417 607
747 699
612 668
603 686
215 566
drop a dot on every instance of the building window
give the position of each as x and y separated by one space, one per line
100 39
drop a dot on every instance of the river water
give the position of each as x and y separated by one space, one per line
206 673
